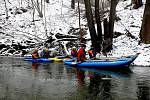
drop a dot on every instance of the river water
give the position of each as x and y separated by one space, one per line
21 80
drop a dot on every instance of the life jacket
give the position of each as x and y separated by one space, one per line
91 53
74 53
81 55
46 55
35 55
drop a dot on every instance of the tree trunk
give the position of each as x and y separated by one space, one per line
45 22
33 11
90 21
39 8
106 41
6 9
112 21
73 4
41 11
145 29
106 29
80 30
99 27
137 3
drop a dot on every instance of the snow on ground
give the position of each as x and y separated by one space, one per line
59 17
131 19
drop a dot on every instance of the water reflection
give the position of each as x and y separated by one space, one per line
95 84
99 87
80 76
143 91
35 66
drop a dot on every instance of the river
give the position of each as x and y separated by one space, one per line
21 80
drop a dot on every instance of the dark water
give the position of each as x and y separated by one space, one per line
20 80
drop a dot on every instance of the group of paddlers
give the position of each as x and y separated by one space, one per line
79 54
44 53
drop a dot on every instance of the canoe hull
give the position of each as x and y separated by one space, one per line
39 60
119 63
93 64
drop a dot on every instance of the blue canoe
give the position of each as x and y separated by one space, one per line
38 60
118 63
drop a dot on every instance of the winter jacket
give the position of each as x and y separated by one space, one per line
81 55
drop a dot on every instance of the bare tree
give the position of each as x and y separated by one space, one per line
33 10
6 9
80 31
109 28
98 22
39 7
145 29
111 22
45 22
90 21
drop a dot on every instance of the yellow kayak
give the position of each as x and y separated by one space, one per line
56 59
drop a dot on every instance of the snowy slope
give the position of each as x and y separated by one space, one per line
131 19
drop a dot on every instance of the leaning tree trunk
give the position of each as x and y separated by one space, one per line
145 29
90 21
99 27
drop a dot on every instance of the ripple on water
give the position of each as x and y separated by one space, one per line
20 80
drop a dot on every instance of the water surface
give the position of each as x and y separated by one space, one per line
21 80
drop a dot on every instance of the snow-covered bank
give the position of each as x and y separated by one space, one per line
131 19
59 18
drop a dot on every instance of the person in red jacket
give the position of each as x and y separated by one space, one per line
81 57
